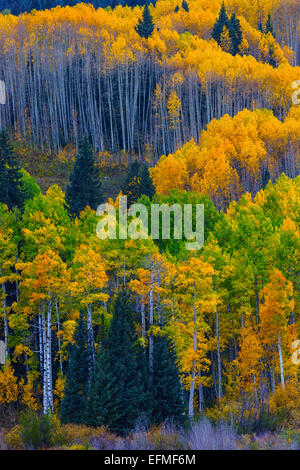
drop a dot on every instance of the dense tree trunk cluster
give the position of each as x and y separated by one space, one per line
61 97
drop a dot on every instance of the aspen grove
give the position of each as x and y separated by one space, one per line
171 103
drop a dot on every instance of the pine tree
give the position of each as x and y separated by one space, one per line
219 25
131 187
146 185
176 10
132 172
260 27
84 187
117 396
102 402
73 403
138 183
11 185
166 393
235 34
269 26
185 6
145 26
265 178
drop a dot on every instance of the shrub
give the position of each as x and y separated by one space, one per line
41 432
163 437
98 438
13 439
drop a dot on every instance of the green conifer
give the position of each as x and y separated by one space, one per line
219 25
145 26
146 185
269 26
73 403
11 179
166 394
185 6
84 187
116 395
235 34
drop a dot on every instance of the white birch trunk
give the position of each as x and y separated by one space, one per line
280 359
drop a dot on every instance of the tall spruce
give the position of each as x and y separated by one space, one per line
84 187
116 395
166 392
219 25
269 26
146 184
102 401
73 403
132 172
131 187
145 25
260 27
265 178
185 6
137 183
235 34
11 185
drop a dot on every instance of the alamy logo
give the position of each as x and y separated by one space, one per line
161 222
2 93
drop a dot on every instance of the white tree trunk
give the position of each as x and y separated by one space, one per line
220 391
192 389
151 321
5 321
280 359
90 331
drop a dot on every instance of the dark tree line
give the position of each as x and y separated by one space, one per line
20 6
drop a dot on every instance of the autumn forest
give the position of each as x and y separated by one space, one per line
140 343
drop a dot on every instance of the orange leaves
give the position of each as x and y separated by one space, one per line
89 271
277 306
44 279
174 106
9 390
173 167
249 357
230 154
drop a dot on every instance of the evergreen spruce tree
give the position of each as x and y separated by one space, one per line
235 34
219 25
132 172
11 185
265 178
176 10
260 27
146 185
166 393
73 403
145 26
102 402
131 187
117 396
138 183
84 187
269 26
185 6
